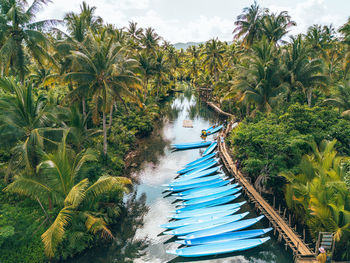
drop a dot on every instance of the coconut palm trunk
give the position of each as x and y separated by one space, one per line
104 124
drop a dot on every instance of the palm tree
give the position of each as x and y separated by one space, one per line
150 40
319 192
134 32
275 27
21 33
147 66
23 121
319 38
262 79
59 183
341 99
161 70
213 57
248 24
103 67
303 73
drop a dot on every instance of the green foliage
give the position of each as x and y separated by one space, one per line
270 144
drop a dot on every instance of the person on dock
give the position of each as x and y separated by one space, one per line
322 257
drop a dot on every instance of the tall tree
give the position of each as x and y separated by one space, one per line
248 24
213 57
21 32
103 66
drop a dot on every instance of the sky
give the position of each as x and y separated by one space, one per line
201 20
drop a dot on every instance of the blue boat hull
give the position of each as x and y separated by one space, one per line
226 237
210 149
207 211
191 186
207 192
223 228
200 189
204 158
219 201
219 248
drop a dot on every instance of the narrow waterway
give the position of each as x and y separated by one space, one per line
141 239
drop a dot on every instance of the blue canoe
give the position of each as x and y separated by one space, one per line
198 175
191 145
203 188
194 181
215 202
204 158
202 167
196 185
239 235
207 192
198 219
206 211
215 130
210 128
203 199
205 225
210 149
218 248
234 226
192 167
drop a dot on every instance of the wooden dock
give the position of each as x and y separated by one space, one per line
301 252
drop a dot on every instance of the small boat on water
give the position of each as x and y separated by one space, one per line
195 166
199 174
194 181
210 149
203 188
207 198
215 130
203 166
234 226
200 159
205 225
180 188
231 236
192 145
218 248
215 202
207 192
206 211
198 219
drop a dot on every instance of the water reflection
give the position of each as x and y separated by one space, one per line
147 208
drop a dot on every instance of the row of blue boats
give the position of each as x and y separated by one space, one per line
206 221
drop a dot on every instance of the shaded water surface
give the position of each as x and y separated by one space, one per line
140 238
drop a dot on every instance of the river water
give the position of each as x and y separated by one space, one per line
140 238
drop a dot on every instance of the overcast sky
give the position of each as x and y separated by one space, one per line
200 20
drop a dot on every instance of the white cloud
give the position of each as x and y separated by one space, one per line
198 29
309 12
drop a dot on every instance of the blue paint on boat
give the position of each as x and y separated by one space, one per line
203 199
205 225
198 219
218 248
194 181
231 236
206 211
191 145
198 174
234 226
215 202
210 149
203 166
192 167
195 185
215 130
203 188
201 159
207 192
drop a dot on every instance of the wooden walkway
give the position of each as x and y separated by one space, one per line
218 110
301 251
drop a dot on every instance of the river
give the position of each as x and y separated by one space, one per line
140 238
